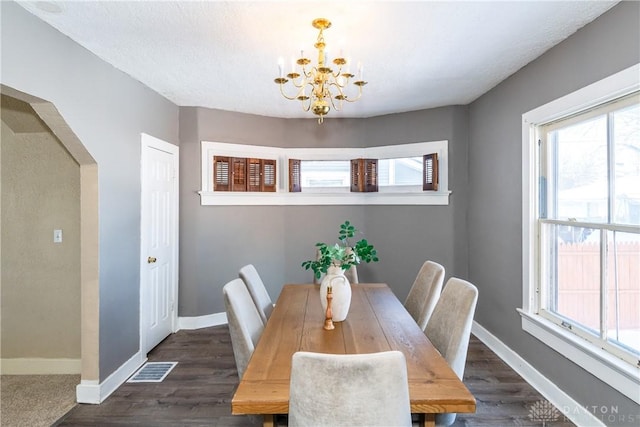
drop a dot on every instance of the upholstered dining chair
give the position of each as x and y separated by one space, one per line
449 328
424 292
258 291
245 324
349 390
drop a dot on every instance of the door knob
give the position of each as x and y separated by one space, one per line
151 260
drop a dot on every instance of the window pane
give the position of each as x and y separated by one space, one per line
623 293
626 125
325 173
401 171
579 177
577 276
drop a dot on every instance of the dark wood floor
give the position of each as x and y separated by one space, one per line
199 389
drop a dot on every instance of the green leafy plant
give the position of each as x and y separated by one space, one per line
342 254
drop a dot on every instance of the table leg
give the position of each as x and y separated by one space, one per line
427 420
268 420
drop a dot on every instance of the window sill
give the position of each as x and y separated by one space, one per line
610 369
209 198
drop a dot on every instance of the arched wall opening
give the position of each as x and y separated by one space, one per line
29 114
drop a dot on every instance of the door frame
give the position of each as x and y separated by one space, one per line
150 142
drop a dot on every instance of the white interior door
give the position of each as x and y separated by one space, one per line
159 242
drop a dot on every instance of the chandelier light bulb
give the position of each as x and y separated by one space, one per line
280 67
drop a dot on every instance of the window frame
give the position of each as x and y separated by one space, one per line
282 195
611 369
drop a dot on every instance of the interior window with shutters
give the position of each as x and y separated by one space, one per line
268 175
255 175
234 174
244 174
221 173
238 174
364 175
430 172
295 185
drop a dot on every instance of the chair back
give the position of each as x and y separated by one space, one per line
245 324
425 292
258 291
449 328
349 390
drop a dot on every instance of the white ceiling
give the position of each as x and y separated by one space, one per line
224 54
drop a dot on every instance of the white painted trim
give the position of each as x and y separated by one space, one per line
610 369
198 322
565 404
88 392
40 366
614 86
95 393
322 199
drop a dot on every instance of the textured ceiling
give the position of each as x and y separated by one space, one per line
224 54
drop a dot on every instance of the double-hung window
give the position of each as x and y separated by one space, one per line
582 226
589 225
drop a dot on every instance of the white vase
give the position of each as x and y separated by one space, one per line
341 291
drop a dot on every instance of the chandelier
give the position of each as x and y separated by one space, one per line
318 87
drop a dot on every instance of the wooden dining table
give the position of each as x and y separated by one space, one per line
377 321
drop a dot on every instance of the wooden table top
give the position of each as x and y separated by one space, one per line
377 321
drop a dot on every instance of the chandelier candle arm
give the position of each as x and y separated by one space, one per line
325 84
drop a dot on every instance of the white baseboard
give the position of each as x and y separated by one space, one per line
568 407
198 322
40 366
95 392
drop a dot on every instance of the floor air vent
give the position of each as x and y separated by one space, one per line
152 372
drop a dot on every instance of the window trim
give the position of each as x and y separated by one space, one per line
282 195
612 370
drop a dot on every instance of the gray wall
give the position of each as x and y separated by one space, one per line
215 241
107 110
609 44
